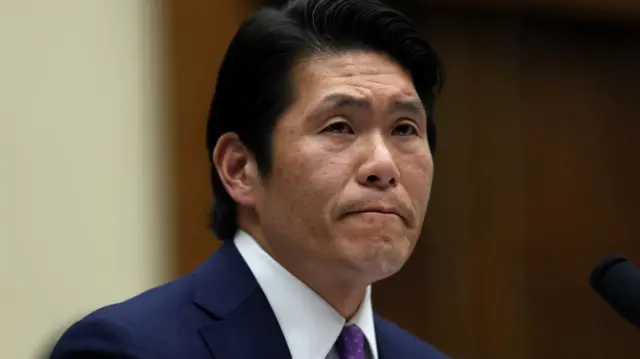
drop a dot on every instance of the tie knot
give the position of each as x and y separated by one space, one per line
351 343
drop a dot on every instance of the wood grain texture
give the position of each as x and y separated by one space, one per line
536 180
199 32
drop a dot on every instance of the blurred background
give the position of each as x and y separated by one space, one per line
104 179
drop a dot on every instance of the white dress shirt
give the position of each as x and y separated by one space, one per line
309 324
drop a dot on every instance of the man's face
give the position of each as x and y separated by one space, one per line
351 171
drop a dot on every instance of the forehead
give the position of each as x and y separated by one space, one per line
359 73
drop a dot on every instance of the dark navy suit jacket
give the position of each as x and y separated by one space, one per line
216 312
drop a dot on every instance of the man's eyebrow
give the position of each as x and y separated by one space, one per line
338 100
412 106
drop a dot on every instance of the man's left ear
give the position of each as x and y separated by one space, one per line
237 169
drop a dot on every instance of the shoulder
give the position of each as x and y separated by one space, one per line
133 328
407 343
101 337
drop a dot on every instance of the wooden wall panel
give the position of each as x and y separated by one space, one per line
581 91
199 32
535 182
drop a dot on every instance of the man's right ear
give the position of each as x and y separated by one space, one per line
237 168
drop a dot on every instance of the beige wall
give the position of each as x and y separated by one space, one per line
81 162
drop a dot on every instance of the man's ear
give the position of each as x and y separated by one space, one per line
237 169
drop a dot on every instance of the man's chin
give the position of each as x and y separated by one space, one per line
380 265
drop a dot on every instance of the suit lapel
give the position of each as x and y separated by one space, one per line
252 331
244 325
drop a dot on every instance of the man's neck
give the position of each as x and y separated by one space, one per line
343 296
340 291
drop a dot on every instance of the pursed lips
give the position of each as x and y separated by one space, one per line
378 210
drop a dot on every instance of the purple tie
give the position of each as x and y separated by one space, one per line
351 343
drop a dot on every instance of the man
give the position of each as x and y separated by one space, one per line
320 135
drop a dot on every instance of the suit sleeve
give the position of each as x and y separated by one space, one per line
99 338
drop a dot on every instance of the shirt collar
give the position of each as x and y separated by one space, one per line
309 324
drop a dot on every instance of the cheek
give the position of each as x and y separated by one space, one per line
330 175
417 173
309 182
316 169
301 180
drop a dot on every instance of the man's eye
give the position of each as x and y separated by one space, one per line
405 129
338 127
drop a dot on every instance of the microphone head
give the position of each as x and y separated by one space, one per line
617 281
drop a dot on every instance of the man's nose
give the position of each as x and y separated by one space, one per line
379 170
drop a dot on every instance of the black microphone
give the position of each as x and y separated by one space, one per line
617 281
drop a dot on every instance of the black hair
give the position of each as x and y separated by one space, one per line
255 86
